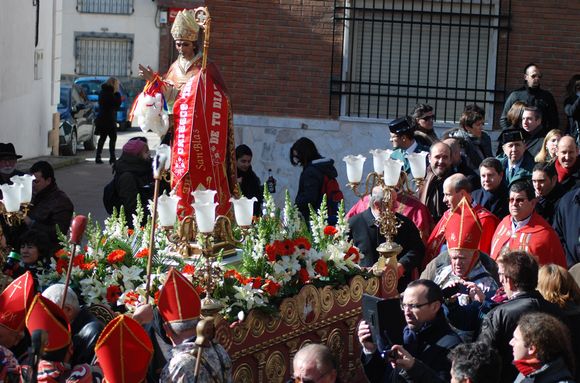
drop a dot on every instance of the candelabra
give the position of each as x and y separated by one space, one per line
386 175
196 233
16 199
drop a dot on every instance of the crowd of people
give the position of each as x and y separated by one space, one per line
487 245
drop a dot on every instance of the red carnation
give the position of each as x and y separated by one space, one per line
353 250
256 282
271 252
143 253
113 293
288 246
303 275
271 287
321 268
62 253
188 269
330 230
61 265
116 256
302 243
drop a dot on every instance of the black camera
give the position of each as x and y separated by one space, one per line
458 288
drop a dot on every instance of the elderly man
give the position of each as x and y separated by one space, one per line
8 159
367 237
85 328
493 194
516 160
403 141
51 207
467 285
314 363
532 95
440 167
548 190
519 277
567 163
456 188
427 339
182 327
526 230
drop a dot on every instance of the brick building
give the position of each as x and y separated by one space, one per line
335 71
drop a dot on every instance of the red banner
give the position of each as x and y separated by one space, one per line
200 141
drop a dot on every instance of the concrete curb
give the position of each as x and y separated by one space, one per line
57 162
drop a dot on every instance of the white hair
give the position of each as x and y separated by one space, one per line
55 293
182 326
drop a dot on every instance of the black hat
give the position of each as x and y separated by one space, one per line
8 151
401 126
512 135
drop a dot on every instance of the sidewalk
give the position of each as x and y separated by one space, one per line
57 162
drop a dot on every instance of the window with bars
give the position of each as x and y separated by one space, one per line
103 54
117 7
397 53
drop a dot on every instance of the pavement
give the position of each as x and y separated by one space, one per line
82 179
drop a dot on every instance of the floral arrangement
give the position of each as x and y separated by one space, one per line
111 268
279 255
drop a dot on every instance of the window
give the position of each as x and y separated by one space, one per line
103 54
398 53
117 7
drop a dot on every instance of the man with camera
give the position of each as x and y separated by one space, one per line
427 339
466 284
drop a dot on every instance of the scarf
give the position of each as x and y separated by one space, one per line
527 366
564 173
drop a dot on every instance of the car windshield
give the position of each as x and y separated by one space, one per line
90 87
63 103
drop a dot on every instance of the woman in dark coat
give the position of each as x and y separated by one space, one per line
134 177
314 167
106 122
249 182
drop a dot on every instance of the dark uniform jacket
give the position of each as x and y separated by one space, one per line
498 327
430 348
367 237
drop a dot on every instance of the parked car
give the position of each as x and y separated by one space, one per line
77 120
92 87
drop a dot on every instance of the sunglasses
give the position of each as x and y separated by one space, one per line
427 118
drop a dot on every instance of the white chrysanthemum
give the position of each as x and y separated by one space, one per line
252 297
93 291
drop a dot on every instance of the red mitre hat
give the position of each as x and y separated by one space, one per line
463 229
124 351
178 301
15 301
48 316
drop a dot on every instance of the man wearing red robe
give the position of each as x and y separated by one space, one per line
526 230
455 188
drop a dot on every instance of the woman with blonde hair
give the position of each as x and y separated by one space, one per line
549 147
558 286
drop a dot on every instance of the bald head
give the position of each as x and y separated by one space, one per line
315 362
567 152
440 158
455 188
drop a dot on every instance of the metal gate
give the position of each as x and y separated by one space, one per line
392 54
103 55
117 7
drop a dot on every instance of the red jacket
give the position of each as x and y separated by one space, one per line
436 240
537 238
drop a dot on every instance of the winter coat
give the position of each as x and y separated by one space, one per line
498 327
434 341
50 208
134 176
551 372
310 184
251 187
109 103
567 225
